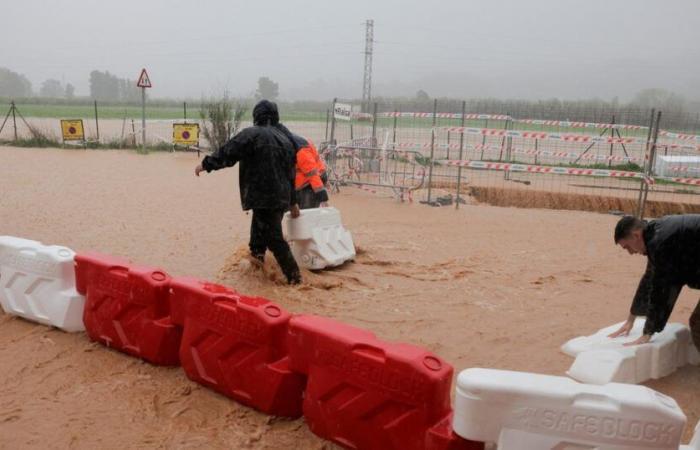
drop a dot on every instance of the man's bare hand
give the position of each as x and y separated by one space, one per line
642 340
294 211
624 329
199 169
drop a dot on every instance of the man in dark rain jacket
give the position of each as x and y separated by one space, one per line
672 247
267 156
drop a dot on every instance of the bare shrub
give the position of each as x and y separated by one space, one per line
221 120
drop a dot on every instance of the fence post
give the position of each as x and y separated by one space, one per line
642 183
14 118
432 151
461 151
448 146
374 125
483 139
97 123
650 167
332 139
7 116
184 109
652 158
612 137
325 138
393 139
503 141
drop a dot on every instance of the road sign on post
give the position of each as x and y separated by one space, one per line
186 134
342 111
72 130
144 83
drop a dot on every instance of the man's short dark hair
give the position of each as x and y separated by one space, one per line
626 225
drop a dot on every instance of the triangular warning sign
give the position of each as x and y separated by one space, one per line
144 80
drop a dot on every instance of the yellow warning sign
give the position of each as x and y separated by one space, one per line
186 134
72 130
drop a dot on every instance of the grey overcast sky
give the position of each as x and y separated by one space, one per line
314 49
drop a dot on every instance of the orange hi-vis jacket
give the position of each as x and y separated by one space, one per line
310 167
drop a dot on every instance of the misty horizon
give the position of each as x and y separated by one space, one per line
536 50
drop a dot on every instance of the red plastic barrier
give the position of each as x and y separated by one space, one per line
236 345
443 437
369 394
127 307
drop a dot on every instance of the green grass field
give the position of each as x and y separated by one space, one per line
131 112
176 112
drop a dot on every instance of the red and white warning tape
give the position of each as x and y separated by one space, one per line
543 169
692 181
471 116
548 153
679 136
562 137
445 115
541 122
684 169
569 124
568 171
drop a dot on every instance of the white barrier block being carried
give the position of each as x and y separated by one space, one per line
600 359
529 411
37 282
695 442
318 238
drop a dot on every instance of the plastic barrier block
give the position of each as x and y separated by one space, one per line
695 442
443 437
318 238
600 359
127 307
530 411
236 345
37 282
366 393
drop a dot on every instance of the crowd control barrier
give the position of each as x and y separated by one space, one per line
318 239
600 359
37 282
127 307
530 411
369 394
236 345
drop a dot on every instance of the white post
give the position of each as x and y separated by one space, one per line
143 118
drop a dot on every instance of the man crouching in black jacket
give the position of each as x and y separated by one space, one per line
266 153
672 247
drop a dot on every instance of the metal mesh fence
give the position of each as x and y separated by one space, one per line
548 163
453 154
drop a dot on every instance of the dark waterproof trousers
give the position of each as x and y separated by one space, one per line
307 198
694 323
266 233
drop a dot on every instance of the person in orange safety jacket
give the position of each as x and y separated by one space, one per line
310 175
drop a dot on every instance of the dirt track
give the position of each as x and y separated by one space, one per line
483 286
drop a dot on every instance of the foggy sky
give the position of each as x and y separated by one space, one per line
314 49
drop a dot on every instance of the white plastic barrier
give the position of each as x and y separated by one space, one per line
600 359
529 411
37 282
318 238
695 442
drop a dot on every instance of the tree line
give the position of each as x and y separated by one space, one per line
677 111
103 86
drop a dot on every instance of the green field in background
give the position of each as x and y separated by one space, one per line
193 113
133 112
